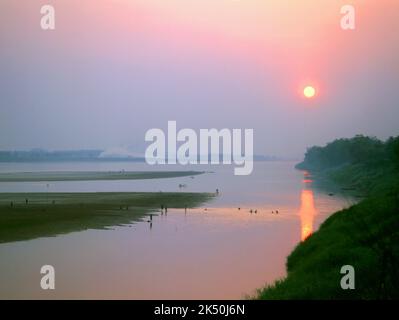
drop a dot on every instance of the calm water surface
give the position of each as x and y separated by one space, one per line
213 252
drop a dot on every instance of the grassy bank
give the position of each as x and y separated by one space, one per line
92 175
25 216
365 236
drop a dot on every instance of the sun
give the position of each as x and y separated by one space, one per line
309 92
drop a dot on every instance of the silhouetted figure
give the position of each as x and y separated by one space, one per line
26 201
151 217
256 211
250 211
12 204
150 225
276 211
166 210
217 191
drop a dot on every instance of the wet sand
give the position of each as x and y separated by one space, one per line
91 175
25 216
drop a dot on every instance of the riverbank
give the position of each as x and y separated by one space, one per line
25 216
48 176
365 236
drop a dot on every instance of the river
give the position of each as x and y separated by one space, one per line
217 251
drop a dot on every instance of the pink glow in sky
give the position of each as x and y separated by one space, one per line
116 63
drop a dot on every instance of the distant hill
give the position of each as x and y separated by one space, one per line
40 155
74 155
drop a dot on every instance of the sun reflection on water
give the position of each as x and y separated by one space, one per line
307 213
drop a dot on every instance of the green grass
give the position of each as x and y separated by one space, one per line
92 175
51 214
365 236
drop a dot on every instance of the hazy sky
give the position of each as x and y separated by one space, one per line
113 69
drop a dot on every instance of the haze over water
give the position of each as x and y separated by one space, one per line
213 252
